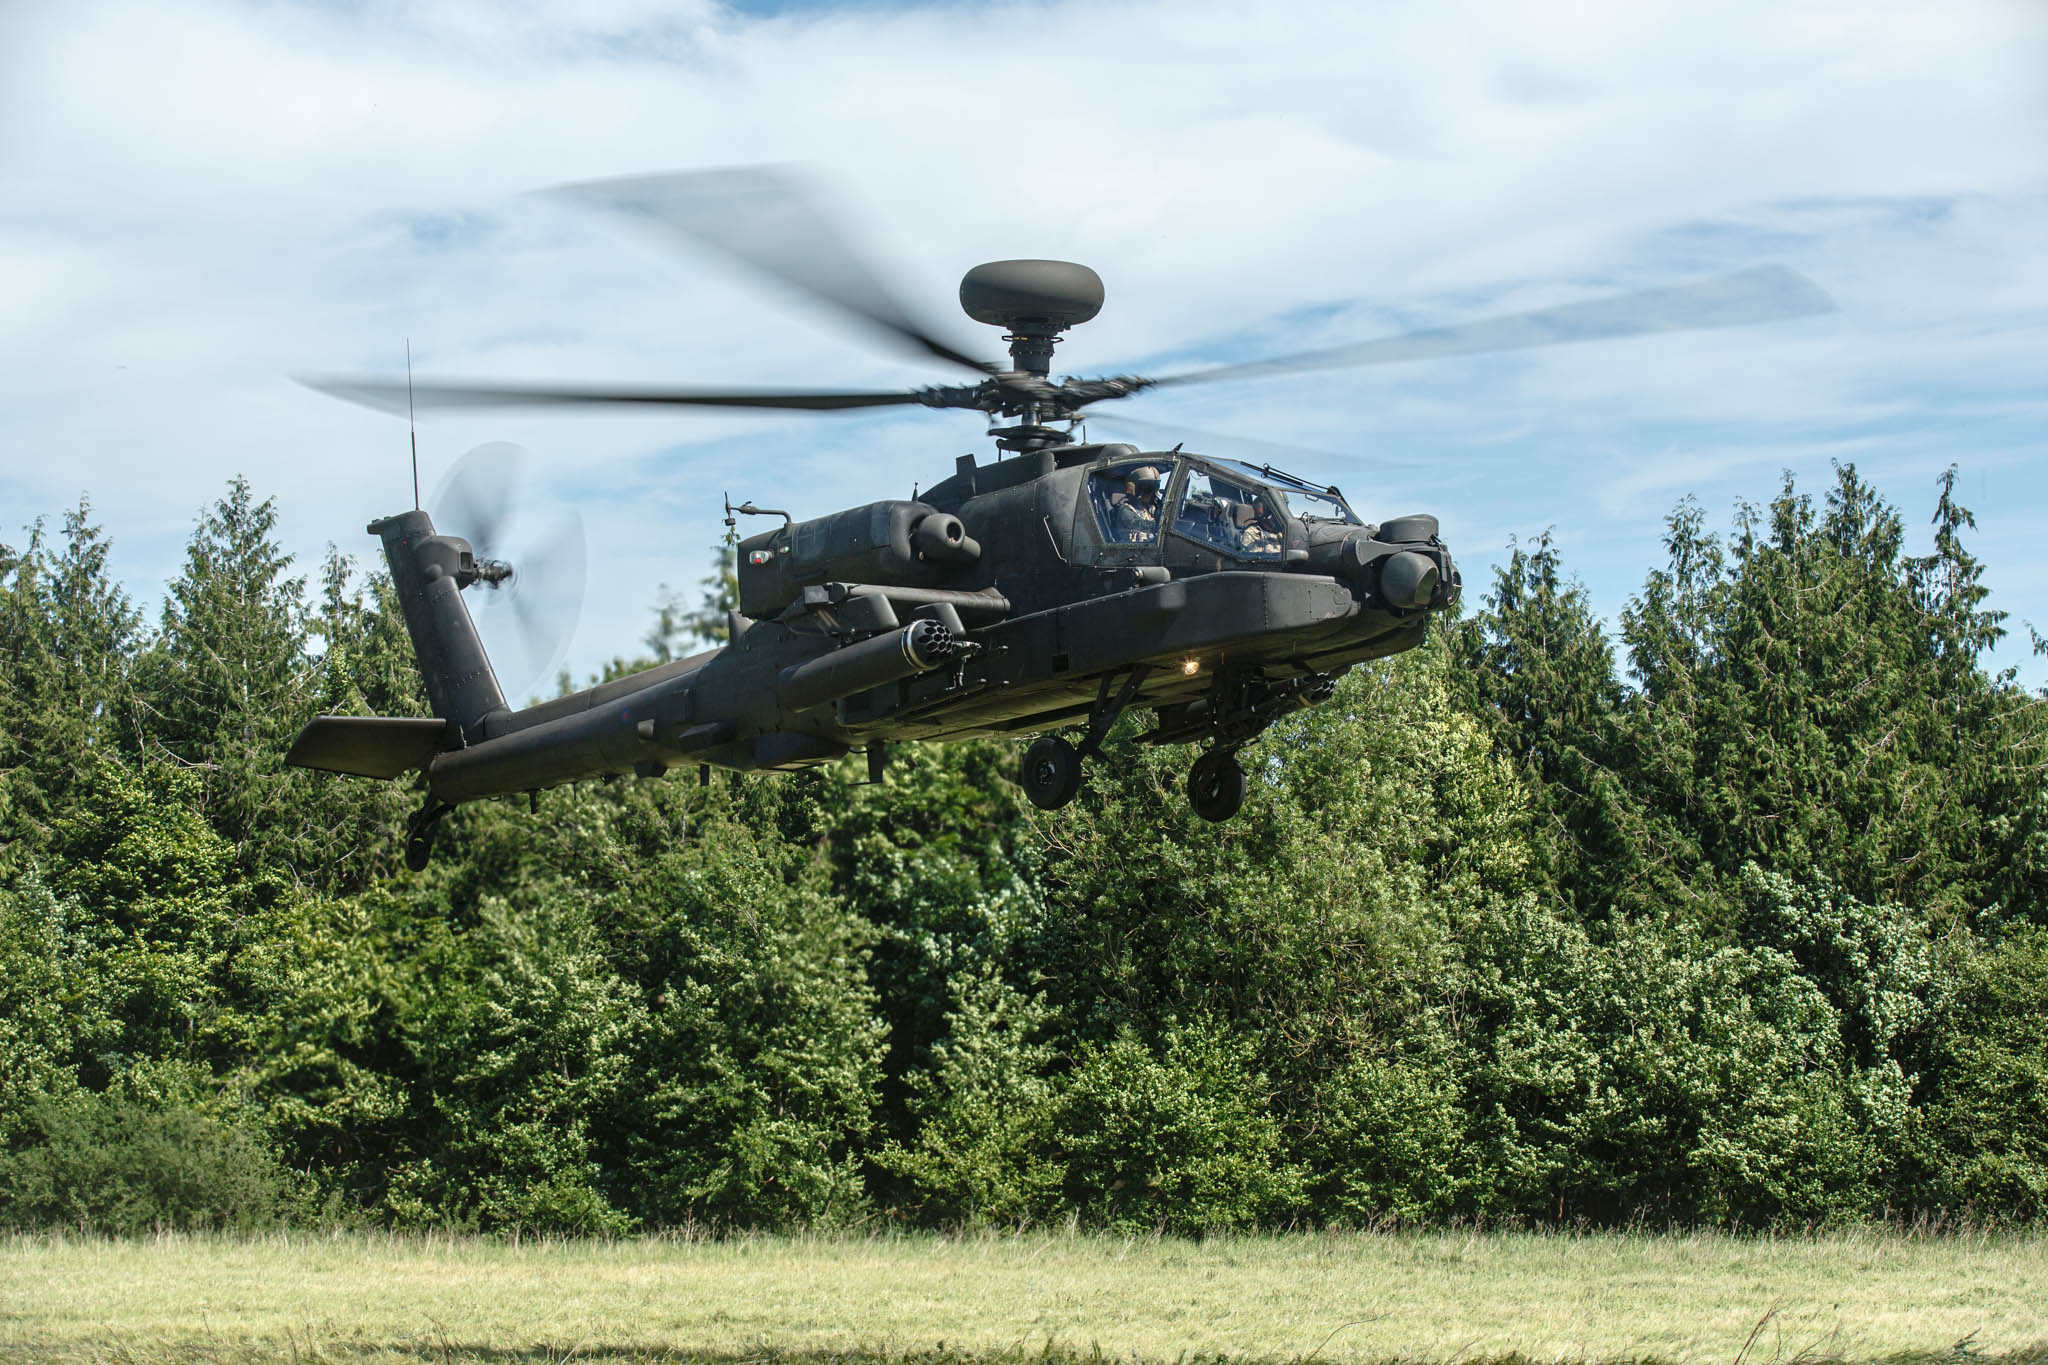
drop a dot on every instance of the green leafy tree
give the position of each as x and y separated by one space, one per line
434 1067
937 857
525 1041
52 1011
756 1078
751 1074
678 625
1656 1075
1181 1136
334 1065
1308 940
165 911
1988 1115
980 1129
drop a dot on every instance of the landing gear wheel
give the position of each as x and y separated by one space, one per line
1052 772
1216 785
419 847
419 835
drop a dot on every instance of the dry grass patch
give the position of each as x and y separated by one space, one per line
929 1300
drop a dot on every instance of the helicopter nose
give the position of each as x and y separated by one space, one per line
1409 579
1403 571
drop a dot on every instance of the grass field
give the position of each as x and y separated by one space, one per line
1350 1297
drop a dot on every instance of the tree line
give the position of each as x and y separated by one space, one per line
1736 915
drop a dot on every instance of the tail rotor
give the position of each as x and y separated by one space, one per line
531 562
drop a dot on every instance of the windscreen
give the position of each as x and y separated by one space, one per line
1300 497
1312 506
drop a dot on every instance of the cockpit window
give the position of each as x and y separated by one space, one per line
1238 519
1299 496
1127 499
1317 506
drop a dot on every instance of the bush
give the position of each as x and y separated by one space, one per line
984 1112
1385 1138
1654 1077
108 1164
1182 1141
1990 1112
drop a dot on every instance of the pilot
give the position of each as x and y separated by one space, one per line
1256 533
1136 518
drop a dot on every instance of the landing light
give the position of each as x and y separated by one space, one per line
1191 667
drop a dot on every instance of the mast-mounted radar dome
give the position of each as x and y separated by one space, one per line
1034 301
1053 295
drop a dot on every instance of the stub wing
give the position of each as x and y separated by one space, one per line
367 746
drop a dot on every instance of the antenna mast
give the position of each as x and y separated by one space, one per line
412 427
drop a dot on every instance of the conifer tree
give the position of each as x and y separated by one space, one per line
228 681
1809 696
68 636
2000 735
1536 666
343 833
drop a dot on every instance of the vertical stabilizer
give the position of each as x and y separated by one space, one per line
430 572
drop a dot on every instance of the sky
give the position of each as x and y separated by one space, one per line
201 199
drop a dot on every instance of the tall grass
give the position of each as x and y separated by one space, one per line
1858 1295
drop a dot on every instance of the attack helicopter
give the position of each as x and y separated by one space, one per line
1045 592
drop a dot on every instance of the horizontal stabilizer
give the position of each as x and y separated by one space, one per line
367 746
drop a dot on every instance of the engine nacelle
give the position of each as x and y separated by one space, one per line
892 544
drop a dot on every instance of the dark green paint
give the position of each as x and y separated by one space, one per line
997 604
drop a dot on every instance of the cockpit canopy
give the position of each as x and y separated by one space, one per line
1222 505
1128 497
1230 514
1305 500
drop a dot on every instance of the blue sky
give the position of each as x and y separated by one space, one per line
203 199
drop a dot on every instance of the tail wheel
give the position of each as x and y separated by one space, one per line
419 848
419 834
1216 785
1052 772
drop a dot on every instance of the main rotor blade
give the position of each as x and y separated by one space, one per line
1228 445
769 219
1768 293
390 396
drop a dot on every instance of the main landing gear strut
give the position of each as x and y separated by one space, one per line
1239 707
1052 765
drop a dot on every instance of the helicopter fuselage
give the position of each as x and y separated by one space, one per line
1049 613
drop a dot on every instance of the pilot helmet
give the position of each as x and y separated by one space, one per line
1145 478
